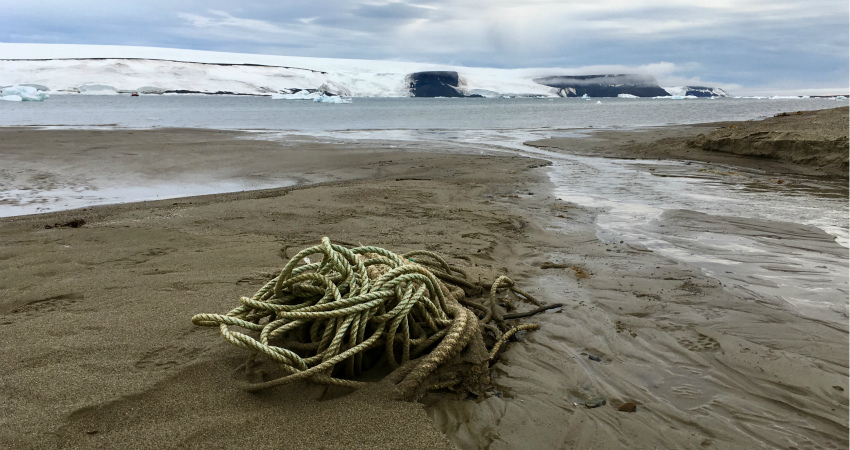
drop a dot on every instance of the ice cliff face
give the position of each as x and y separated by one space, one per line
173 71
110 76
439 84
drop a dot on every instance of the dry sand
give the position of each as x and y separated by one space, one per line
98 349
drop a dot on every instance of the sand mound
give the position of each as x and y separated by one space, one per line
817 138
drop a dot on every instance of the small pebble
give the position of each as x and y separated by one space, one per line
627 407
838 388
595 358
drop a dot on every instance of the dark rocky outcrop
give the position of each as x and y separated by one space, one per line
603 85
435 84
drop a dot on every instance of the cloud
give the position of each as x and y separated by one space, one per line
396 10
223 20
756 42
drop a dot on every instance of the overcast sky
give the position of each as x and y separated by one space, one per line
745 45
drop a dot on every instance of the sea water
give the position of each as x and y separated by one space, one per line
246 112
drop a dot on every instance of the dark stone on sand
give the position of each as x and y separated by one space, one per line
594 358
76 223
603 85
627 407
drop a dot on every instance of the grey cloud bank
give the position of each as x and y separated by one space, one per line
750 47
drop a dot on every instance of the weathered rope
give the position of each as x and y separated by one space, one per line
318 320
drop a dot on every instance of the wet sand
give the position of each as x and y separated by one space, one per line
99 348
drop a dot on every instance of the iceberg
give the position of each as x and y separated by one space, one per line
326 99
585 97
22 94
627 96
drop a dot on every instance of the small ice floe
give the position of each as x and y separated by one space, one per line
599 102
22 94
585 97
328 99
627 96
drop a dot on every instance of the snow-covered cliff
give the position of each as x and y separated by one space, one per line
104 70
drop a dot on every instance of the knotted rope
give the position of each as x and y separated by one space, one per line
318 321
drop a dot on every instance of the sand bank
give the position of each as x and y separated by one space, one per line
804 142
99 349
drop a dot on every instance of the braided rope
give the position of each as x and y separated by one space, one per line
316 320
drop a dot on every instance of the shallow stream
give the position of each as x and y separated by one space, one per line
645 203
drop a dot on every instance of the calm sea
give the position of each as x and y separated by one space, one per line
243 112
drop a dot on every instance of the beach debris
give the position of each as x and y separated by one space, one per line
594 402
627 407
363 308
838 388
579 272
533 311
75 223
594 358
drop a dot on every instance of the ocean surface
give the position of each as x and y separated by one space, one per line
638 200
246 112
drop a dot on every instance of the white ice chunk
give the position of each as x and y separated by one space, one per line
326 99
586 97
627 96
22 93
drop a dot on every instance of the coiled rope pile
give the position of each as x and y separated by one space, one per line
329 321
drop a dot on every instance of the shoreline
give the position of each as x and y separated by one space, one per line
105 308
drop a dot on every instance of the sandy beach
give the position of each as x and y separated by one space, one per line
99 350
